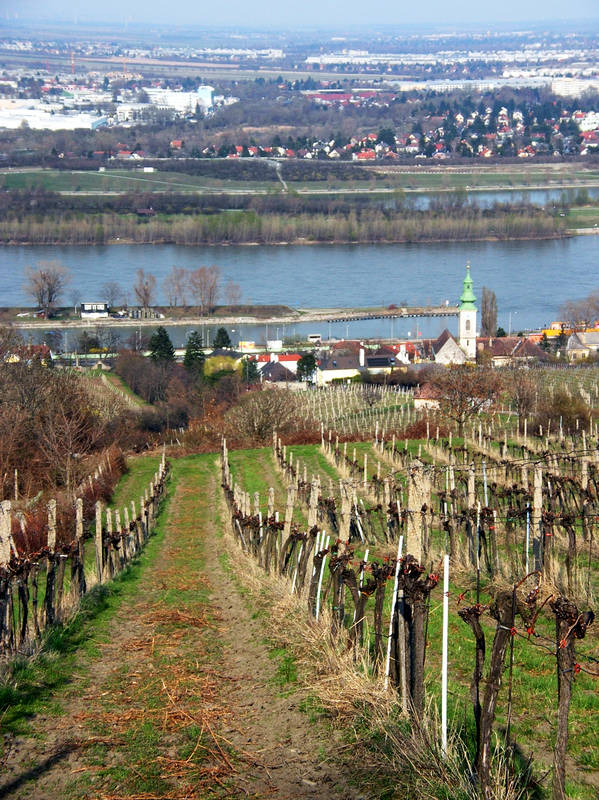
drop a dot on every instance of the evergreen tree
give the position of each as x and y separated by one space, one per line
221 339
194 358
161 347
544 343
249 371
306 367
489 313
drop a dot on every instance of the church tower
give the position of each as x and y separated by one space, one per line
467 318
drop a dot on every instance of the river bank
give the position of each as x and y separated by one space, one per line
331 226
314 242
531 278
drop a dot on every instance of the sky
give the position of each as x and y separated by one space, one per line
308 13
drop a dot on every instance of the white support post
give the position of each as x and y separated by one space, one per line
394 601
444 657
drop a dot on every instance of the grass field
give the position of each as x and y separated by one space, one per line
583 217
381 179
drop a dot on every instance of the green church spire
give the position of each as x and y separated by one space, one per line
468 299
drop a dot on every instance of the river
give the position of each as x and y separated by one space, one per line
530 278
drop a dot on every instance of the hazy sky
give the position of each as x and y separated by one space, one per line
310 13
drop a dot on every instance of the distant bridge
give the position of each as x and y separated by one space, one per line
355 314
293 316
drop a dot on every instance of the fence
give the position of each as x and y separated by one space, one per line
42 588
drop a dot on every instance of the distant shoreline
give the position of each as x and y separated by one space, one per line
566 234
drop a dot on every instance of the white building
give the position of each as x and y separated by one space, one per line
94 310
183 102
44 116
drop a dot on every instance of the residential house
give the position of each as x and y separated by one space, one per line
582 344
508 350
275 372
338 366
444 350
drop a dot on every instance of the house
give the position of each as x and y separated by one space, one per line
582 344
275 372
338 367
505 350
426 396
381 362
444 350
288 360
94 310
364 155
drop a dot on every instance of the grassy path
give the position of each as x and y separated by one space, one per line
165 688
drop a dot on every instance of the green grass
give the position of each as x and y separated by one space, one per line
32 686
286 673
381 179
120 385
119 181
583 217
140 471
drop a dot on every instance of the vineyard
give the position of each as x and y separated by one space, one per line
370 529
52 557
456 574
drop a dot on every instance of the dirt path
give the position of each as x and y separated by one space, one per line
177 695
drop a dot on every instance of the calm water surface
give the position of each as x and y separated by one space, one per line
531 279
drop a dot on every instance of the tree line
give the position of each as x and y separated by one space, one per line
239 227
47 283
14 204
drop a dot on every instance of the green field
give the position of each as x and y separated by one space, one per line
583 217
382 180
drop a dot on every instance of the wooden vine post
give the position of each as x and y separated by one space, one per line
77 565
98 543
5 532
419 499
51 570
569 626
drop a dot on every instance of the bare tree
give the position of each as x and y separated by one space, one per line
46 284
258 414
522 388
144 288
233 293
581 313
465 391
175 286
11 342
68 431
488 313
203 283
112 292
75 297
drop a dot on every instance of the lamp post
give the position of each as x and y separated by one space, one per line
509 333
